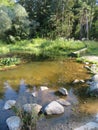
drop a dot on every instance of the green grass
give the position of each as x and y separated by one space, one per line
48 48
92 47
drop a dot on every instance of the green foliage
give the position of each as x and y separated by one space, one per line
92 47
5 22
9 61
43 47
29 120
48 18
14 23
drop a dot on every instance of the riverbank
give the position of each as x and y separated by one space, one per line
43 47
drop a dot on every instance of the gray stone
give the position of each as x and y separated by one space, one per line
14 123
94 86
95 78
63 102
30 108
94 69
9 104
63 91
54 108
43 88
88 126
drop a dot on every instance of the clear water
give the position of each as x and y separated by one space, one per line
20 82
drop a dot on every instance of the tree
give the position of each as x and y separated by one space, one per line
5 21
21 24
84 14
51 16
14 22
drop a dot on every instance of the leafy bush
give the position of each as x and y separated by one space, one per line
9 61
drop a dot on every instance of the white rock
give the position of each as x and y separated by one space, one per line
89 126
82 81
54 108
14 123
63 91
9 104
95 78
87 63
63 102
87 67
76 81
30 108
43 88
34 94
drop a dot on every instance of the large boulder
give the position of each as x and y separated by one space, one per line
30 108
63 91
9 104
54 108
14 123
63 102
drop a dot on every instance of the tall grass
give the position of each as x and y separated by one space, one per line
45 47
92 47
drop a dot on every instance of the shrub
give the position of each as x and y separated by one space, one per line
9 61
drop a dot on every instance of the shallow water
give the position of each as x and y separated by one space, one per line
20 82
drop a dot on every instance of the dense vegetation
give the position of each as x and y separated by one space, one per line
48 19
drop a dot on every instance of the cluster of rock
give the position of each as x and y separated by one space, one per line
93 68
93 88
53 108
93 82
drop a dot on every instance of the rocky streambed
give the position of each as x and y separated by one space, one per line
62 106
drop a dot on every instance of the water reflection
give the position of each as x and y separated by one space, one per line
10 93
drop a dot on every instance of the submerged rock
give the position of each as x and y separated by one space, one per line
9 104
30 108
63 91
63 102
88 126
14 123
54 108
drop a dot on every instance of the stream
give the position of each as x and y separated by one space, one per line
19 83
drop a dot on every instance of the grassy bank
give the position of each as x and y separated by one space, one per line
48 48
92 47
42 47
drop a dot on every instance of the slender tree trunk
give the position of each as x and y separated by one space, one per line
87 27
